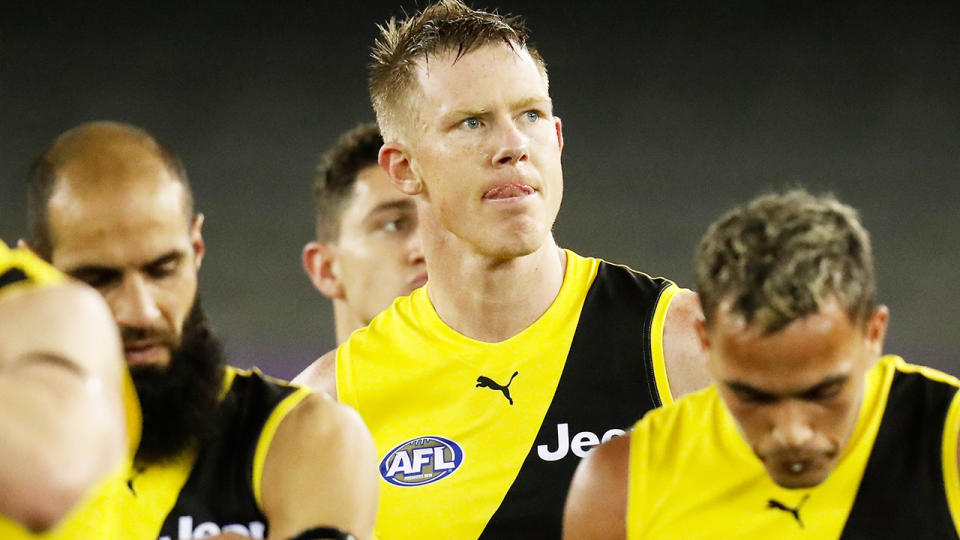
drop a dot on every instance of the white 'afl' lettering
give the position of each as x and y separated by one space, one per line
421 461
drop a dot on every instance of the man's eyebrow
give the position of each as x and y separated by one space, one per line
745 388
85 272
90 270
824 384
738 386
170 256
399 204
467 113
533 100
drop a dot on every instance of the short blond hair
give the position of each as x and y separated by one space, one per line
782 256
448 26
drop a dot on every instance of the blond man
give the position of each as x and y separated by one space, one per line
485 388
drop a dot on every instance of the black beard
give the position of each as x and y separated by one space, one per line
179 402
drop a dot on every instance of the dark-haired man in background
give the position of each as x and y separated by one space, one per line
367 251
223 451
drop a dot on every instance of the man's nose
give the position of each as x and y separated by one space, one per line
514 145
791 427
133 303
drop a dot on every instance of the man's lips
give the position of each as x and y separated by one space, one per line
418 281
509 191
142 353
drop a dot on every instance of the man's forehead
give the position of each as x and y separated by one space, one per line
438 71
78 187
373 192
803 353
831 318
126 226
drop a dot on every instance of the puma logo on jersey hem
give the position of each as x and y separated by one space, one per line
795 512
486 382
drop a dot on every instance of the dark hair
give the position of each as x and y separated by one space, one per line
446 26
779 257
42 178
337 172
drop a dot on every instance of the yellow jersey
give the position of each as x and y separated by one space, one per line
98 514
692 476
480 440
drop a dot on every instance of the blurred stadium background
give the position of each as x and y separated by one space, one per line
673 112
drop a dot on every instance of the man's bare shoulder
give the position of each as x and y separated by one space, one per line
320 470
683 352
321 375
318 415
597 503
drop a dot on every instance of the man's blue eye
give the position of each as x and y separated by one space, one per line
532 116
471 123
393 226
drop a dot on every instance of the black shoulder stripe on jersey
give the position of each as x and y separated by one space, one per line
11 276
902 493
607 382
219 488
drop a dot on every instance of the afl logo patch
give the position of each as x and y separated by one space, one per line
421 461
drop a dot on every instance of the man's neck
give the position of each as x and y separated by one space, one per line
489 299
345 320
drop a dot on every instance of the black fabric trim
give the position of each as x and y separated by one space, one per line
220 486
902 493
607 382
325 533
11 276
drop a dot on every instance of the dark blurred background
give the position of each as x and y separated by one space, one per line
673 112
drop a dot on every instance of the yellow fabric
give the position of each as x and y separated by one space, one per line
656 340
674 448
410 375
98 515
950 472
38 271
155 489
266 437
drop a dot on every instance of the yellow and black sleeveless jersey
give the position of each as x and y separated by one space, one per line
22 270
692 476
97 515
215 489
480 440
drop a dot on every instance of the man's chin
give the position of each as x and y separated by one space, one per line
789 477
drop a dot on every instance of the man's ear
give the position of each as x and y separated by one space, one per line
700 325
559 127
196 239
877 329
393 159
319 262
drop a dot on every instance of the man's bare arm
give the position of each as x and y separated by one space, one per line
320 470
683 354
61 410
321 375
597 503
